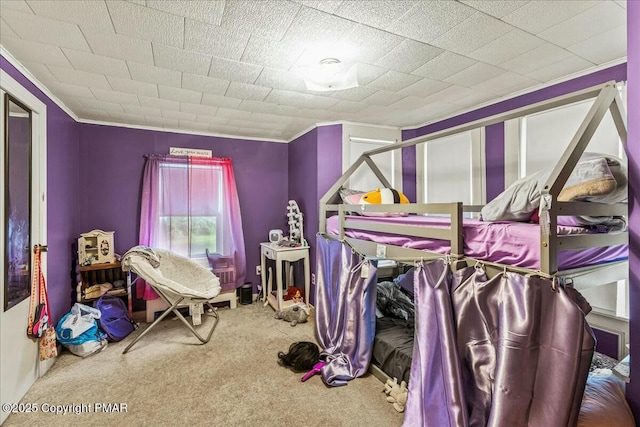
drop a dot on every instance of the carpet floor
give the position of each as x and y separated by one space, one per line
234 380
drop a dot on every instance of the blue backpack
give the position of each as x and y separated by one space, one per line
115 320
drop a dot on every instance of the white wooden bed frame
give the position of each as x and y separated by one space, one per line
607 99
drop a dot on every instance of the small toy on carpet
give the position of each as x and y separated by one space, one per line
397 394
315 370
297 313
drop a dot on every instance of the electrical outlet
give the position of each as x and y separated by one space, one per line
258 270
313 278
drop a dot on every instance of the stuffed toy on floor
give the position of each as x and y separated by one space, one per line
397 394
297 313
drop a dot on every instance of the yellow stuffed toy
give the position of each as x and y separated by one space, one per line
383 196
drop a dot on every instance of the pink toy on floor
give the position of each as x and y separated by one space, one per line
316 369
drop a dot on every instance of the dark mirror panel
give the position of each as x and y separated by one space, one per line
17 157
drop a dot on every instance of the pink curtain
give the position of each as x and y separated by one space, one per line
180 198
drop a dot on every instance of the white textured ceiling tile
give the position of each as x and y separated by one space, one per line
92 14
408 56
268 18
210 120
473 33
510 45
101 105
535 59
562 68
271 53
128 118
114 96
348 107
537 16
605 47
300 99
497 8
449 95
181 60
198 109
311 27
19 5
39 71
98 64
475 99
139 2
329 6
368 73
158 122
444 65
213 40
151 74
231 113
118 46
71 102
363 44
191 125
408 103
158 103
45 30
247 91
178 94
205 11
146 23
281 80
375 13
259 107
593 21
82 78
475 74
265 117
384 98
424 87
24 50
429 19
133 86
6 31
220 101
204 83
505 83
622 3
354 94
170 123
394 81
69 90
178 115
140 110
92 114
234 71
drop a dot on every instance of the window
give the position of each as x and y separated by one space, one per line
190 205
452 169
536 141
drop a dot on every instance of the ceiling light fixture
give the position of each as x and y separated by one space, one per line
330 74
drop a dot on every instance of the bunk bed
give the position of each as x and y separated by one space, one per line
570 257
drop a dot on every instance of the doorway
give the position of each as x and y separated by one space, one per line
23 218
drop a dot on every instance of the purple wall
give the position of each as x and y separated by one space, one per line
62 195
494 155
315 163
111 160
633 152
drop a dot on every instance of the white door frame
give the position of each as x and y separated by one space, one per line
19 364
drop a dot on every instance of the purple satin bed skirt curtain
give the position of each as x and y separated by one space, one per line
436 396
345 311
523 350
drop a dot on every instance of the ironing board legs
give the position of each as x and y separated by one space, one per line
173 309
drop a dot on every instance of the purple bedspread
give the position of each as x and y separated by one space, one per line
510 243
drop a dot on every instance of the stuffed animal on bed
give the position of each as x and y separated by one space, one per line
383 196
